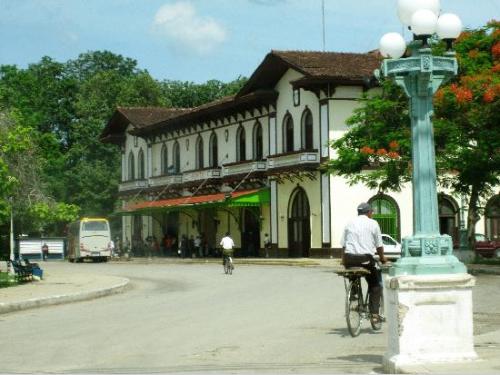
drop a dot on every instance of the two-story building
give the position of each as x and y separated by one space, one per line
248 163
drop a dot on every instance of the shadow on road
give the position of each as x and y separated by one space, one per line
374 359
343 332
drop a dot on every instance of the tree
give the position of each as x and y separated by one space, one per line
376 149
21 187
188 94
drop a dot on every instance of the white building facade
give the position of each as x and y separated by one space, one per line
249 164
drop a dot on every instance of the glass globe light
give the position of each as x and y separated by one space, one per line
449 26
392 45
423 22
406 8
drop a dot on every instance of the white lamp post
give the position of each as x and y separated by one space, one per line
11 256
428 291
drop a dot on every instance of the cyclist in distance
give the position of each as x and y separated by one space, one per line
227 244
360 241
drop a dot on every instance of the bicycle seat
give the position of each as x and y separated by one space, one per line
353 271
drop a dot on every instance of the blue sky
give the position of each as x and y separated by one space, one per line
198 40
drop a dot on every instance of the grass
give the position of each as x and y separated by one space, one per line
7 280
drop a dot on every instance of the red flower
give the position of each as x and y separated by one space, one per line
394 145
381 152
463 95
489 95
496 68
393 155
473 53
367 150
495 50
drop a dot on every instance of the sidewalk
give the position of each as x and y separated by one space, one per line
59 286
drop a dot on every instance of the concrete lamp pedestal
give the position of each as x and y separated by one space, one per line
429 320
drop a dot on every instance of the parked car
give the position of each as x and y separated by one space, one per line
487 248
392 248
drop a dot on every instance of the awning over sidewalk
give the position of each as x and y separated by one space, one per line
244 198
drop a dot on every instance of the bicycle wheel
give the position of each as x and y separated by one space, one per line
226 266
230 266
353 306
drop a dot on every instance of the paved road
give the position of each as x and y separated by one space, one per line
194 318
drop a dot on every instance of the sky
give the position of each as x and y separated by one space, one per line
199 40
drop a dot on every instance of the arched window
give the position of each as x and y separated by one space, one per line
258 144
307 130
214 158
386 212
492 218
164 160
288 134
140 166
199 153
131 166
176 158
241 150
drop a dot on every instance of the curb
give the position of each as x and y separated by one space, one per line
63 298
238 261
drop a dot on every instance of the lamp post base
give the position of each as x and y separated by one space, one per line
427 255
429 320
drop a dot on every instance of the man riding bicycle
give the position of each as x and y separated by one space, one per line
360 240
227 245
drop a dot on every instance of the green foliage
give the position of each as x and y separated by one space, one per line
188 94
466 127
376 149
51 160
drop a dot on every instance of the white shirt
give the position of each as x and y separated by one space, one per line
361 236
227 243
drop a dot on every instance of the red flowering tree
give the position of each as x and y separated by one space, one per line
376 149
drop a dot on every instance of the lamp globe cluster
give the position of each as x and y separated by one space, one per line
424 19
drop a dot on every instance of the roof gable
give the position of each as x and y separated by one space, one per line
327 66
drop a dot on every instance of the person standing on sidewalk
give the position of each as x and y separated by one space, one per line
360 240
45 251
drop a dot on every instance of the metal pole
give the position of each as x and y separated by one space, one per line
323 22
11 269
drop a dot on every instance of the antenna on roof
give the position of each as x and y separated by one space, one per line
323 21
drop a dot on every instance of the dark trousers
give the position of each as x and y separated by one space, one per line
373 279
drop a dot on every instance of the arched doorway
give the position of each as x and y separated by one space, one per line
448 220
250 232
299 225
492 218
386 213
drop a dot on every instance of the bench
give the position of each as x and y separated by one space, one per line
22 272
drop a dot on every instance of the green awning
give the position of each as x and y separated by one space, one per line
257 198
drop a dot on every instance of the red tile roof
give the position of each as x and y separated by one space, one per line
186 201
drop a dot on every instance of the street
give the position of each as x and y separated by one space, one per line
177 318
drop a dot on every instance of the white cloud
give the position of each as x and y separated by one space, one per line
180 23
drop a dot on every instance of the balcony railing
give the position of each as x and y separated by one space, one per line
296 158
165 180
201 174
132 185
243 167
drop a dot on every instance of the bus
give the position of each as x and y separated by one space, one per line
89 238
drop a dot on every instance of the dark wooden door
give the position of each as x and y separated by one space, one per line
299 226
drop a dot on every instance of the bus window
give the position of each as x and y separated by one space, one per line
95 226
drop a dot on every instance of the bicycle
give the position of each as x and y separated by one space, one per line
228 265
356 303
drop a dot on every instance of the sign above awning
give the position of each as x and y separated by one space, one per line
243 198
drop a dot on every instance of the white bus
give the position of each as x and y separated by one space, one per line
89 238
